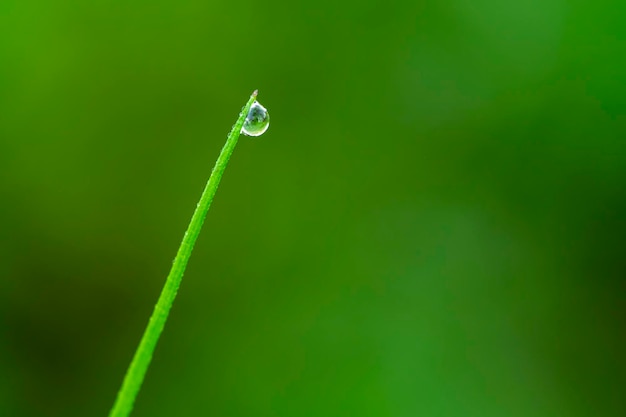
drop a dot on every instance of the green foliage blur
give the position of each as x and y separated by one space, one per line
433 225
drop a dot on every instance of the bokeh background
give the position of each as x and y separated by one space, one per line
433 225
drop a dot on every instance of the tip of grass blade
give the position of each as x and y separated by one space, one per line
255 93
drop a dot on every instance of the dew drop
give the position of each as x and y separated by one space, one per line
257 121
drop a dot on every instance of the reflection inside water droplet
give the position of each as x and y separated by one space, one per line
257 121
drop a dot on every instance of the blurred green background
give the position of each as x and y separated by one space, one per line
433 225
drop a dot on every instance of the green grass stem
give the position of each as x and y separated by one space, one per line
143 355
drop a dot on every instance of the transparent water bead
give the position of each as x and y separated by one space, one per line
257 121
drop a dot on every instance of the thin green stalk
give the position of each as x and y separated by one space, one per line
143 355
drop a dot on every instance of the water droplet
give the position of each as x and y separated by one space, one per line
257 121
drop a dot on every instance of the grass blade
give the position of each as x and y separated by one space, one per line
143 355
